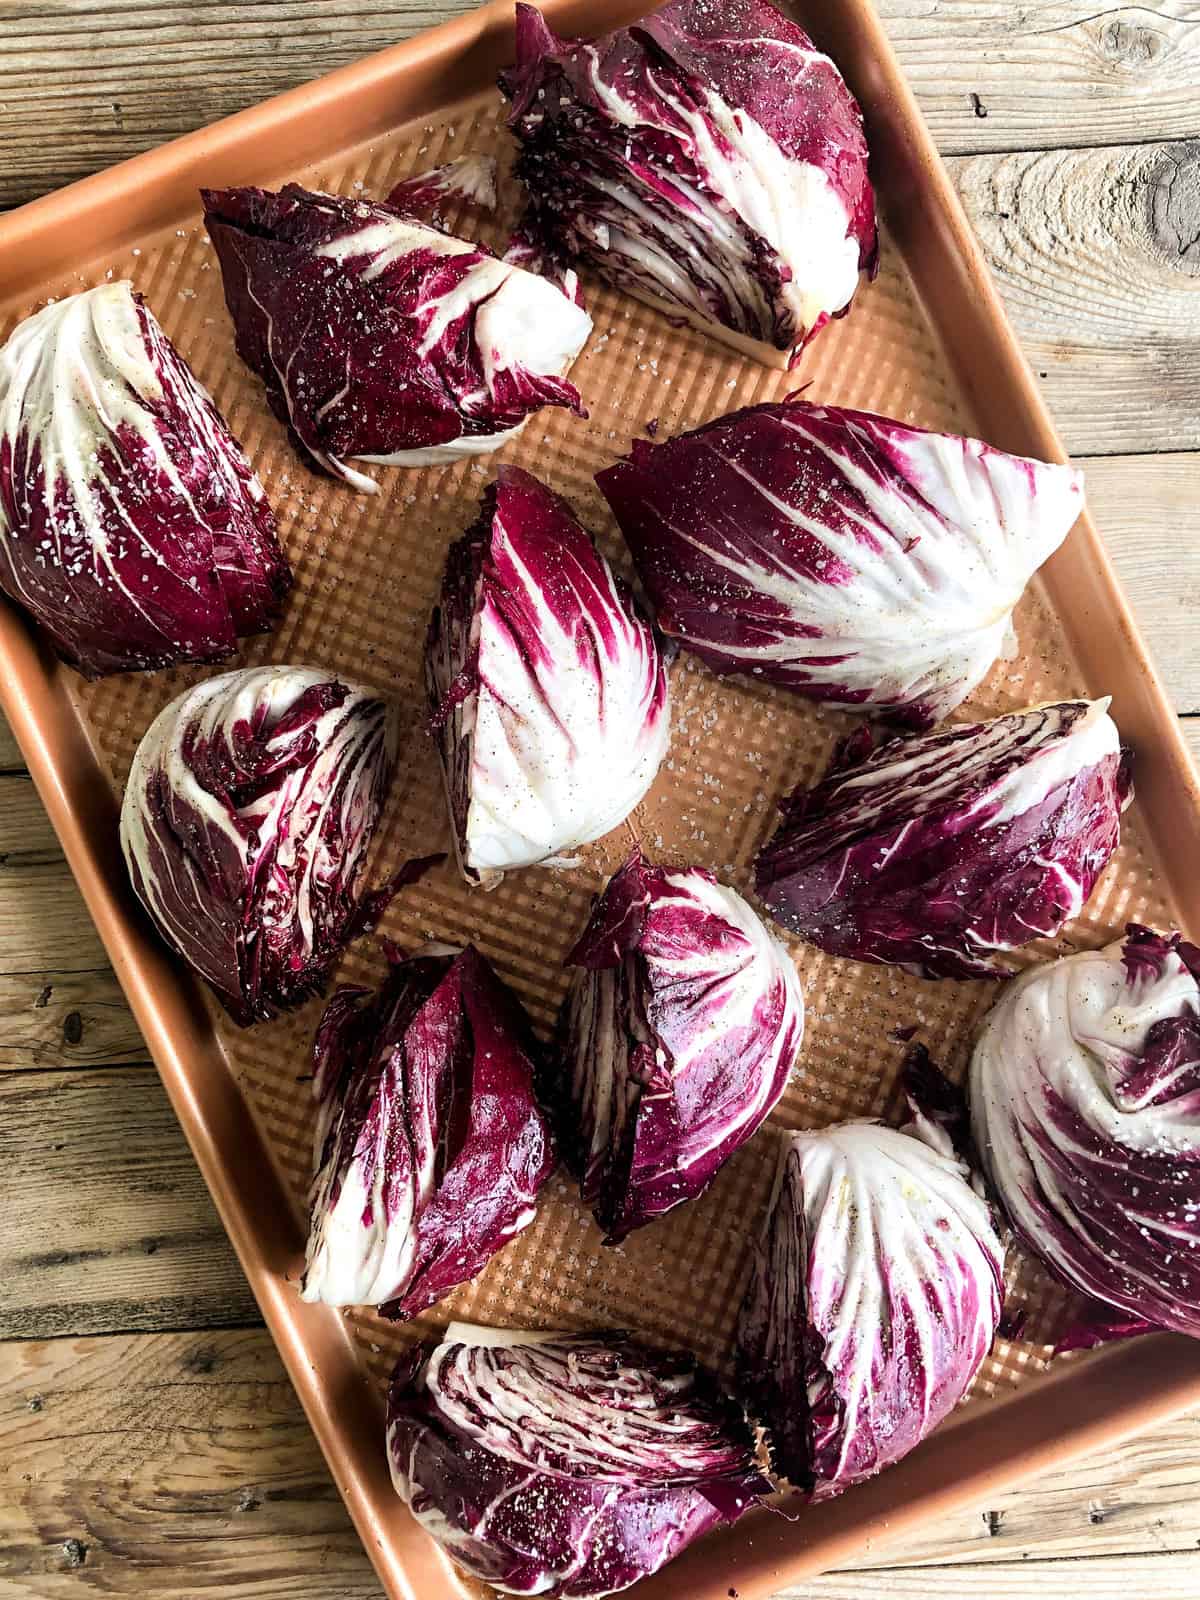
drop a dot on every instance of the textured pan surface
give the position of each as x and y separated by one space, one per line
367 572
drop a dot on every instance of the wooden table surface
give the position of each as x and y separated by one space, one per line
150 1443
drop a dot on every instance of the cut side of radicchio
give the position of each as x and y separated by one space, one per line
875 1295
681 1028
547 691
429 1148
934 851
568 1465
132 529
381 338
251 804
709 160
1085 1107
842 555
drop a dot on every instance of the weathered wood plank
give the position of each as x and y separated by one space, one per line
44 925
107 1222
78 94
1142 1495
90 82
991 75
1097 256
1166 1577
11 759
28 844
173 1465
1144 507
73 1019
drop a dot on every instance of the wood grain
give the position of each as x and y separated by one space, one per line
991 75
1141 1495
176 1464
1097 256
1145 507
11 759
107 1223
61 1019
44 925
77 69
1173 1577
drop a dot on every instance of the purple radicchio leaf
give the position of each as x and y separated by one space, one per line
933 851
547 691
469 178
709 160
1085 1106
866 1319
565 1464
936 1103
383 339
678 1036
842 555
132 528
429 1147
1096 1326
251 804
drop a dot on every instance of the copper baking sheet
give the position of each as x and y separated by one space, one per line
927 342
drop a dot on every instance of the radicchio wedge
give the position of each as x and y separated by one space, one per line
547 691
568 1465
1085 1108
875 1295
251 804
936 851
381 338
708 159
681 1028
845 556
429 1149
132 529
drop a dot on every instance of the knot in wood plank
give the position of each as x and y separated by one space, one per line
1128 44
1173 204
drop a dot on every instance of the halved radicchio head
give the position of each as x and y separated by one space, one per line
1085 1108
564 1464
132 528
933 851
875 1295
709 160
842 555
547 690
678 1035
251 804
429 1148
382 339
